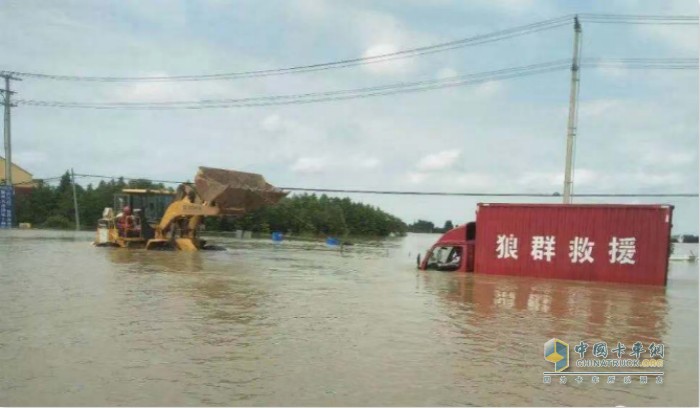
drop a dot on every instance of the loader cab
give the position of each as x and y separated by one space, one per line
454 251
150 204
146 209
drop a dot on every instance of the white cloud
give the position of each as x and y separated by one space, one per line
473 180
628 181
683 39
540 179
596 108
439 161
272 123
489 88
29 158
513 6
369 163
393 66
585 177
310 165
153 11
663 156
313 10
151 91
446 72
657 179
615 71
681 158
416 177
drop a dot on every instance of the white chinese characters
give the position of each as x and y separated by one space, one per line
581 249
543 247
507 247
622 250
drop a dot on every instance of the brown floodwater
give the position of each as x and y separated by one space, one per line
302 324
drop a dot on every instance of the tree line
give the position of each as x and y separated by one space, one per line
49 206
316 215
423 226
693 239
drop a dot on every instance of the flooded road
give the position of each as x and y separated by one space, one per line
299 324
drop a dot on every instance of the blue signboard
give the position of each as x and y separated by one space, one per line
6 197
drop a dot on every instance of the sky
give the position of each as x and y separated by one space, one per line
637 130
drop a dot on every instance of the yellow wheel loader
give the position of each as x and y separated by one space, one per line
158 219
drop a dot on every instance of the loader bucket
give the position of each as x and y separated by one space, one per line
235 190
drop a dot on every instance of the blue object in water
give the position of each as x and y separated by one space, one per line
277 236
332 241
6 197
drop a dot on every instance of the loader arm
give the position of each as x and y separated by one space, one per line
194 212
180 223
216 192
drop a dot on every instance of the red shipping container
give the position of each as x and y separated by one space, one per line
593 242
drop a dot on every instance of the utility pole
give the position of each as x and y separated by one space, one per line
75 201
9 213
573 100
7 93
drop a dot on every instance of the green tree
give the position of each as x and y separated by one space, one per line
448 226
422 226
301 214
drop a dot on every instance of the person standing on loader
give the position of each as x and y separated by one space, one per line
126 224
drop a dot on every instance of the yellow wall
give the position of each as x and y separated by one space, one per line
19 175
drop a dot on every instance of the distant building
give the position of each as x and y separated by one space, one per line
21 178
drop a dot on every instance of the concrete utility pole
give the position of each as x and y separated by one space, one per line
6 101
75 201
7 93
573 100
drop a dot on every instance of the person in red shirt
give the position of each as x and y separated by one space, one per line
125 222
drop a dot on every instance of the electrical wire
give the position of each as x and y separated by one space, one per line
488 194
420 193
131 178
639 19
391 89
407 53
404 87
37 180
643 63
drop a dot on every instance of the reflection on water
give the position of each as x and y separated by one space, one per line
303 324
596 310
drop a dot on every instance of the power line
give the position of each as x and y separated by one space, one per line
132 178
643 63
643 60
639 19
391 89
488 194
423 193
407 53
657 17
402 87
399 85
33 181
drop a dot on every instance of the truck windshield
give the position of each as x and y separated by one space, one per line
445 258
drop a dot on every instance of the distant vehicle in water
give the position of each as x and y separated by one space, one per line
590 242
691 257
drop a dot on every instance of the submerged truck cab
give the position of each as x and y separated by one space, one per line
619 243
454 251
